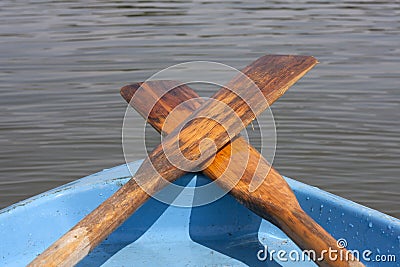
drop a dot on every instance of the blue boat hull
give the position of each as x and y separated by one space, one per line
223 233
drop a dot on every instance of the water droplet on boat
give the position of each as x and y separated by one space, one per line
377 250
389 227
312 209
322 206
329 219
370 225
330 210
342 213
351 225
357 233
307 198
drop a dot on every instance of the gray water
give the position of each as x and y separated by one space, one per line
62 64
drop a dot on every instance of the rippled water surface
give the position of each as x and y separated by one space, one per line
62 64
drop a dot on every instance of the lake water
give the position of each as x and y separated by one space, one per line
62 64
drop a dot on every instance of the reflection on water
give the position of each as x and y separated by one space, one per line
62 64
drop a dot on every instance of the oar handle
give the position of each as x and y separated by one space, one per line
80 240
95 227
313 238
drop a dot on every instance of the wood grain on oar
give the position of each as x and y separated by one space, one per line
272 74
272 200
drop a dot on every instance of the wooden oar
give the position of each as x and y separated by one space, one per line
272 74
273 199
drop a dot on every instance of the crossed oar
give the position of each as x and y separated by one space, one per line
272 200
